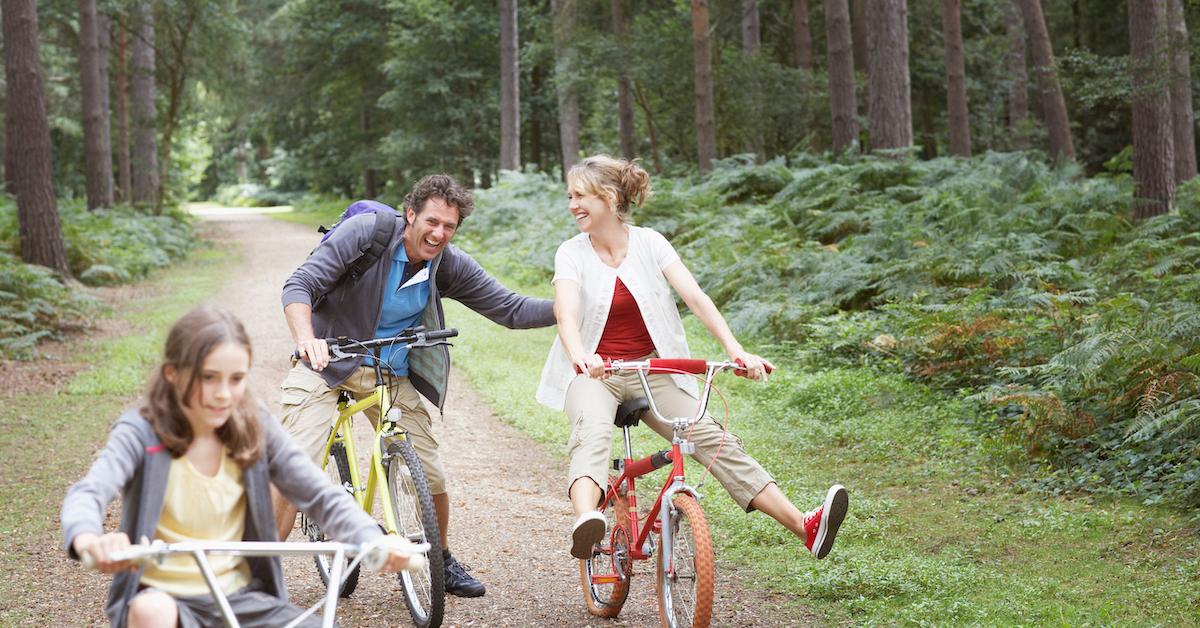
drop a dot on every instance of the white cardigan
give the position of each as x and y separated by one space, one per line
642 273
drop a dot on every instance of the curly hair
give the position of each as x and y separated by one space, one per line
193 337
444 187
622 183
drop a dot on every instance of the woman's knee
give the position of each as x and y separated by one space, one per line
153 609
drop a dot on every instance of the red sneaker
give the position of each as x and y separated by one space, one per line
821 525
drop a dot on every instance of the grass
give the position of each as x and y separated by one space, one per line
50 437
938 533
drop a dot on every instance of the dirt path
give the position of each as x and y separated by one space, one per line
510 520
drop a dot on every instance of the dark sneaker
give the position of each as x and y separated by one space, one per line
588 531
821 525
459 582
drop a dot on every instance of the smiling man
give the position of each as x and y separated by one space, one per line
403 289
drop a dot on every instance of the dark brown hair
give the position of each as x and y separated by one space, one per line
444 187
622 183
193 337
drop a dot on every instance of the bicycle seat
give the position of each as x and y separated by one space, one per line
630 412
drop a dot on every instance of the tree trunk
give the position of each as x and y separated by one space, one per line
1181 94
124 171
858 24
802 44
28 143
642 101
751 112
537 81
706 124
890 89
1153 137
370 176
145 115
510 90
1054 108
97 149
956 79
565 73
176 67
840 50
626 128
1018 88
751 28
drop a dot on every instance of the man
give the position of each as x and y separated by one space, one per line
403 289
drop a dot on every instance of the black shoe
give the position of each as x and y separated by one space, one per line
459 582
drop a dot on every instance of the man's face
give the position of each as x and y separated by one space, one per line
429 230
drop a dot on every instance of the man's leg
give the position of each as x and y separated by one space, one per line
308 408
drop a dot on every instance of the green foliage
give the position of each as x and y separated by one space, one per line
999 275
35 305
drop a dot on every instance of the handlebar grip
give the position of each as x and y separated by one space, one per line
675 365
441 333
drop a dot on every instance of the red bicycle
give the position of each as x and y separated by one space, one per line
684 547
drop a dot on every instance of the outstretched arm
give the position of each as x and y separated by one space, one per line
461 278
702 306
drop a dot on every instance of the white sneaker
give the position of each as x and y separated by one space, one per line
588 531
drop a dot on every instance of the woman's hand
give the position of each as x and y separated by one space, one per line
99 548
592 366
757 367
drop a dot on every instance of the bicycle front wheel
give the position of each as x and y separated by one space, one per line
605 576
338 468
685 584
416 519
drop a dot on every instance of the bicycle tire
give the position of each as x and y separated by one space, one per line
685 593
606 600
416 519
338 468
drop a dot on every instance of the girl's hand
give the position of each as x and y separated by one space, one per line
756 367
99 548
592 366
397 555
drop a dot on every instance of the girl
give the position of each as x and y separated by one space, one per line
194 463
612 300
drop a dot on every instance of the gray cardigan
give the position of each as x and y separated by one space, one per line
135 463
354 310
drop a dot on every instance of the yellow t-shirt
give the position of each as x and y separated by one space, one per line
197 507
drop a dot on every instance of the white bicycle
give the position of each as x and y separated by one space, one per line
373 555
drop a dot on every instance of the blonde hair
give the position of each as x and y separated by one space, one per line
622 183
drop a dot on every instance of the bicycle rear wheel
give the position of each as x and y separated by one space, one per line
606 598
416 519
338 468
685 586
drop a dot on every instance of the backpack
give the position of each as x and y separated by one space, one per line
385 224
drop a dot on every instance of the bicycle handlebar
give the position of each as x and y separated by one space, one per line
375 553
674 365
412 338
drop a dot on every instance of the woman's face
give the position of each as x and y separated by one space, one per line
590 211
219 388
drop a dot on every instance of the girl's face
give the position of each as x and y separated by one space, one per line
590 211
218 390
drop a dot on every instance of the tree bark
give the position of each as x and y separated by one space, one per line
97 150
1182 120
889 86
510 88
956 79
751 27
564 14
537 81
626 129
176 66
706 125
1018 88
858 24
652 135
802 44
145 114
1153 137
1054 107
751 113
124 171
370 176
28 145
840 51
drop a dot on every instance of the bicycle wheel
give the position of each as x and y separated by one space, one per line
338 468
605 599
412 506
685 587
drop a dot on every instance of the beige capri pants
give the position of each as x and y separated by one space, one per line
592 403
310 407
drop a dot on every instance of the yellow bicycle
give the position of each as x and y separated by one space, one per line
406 501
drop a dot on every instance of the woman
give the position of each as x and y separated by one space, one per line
612 300
194 464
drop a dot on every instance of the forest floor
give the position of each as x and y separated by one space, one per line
510 519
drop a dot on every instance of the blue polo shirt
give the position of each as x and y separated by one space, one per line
402 307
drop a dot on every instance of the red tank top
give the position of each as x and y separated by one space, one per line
625 336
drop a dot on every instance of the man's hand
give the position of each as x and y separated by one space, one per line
315 351
99 548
